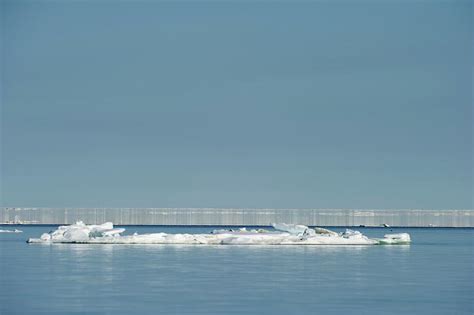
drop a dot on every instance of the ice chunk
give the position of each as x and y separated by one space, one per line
80 232
11 231
400 238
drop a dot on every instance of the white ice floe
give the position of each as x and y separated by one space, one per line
400 238
284 234
11 231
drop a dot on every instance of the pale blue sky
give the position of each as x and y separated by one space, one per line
314 104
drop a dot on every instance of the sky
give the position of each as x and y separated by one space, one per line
244 104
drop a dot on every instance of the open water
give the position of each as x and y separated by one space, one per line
434 275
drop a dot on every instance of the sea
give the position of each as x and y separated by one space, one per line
433 275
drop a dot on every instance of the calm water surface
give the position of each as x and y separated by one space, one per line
434 275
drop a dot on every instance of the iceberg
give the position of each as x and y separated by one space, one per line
283 234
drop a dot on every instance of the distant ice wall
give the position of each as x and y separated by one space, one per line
204 216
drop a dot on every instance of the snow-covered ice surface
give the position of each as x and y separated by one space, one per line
284 234
11 231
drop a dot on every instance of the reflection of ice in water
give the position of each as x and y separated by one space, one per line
285 234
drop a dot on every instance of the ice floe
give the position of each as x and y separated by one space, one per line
283 234
11 231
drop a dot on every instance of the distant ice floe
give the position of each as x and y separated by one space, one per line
284 234
11 231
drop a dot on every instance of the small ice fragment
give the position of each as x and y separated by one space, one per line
400 238
11 231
